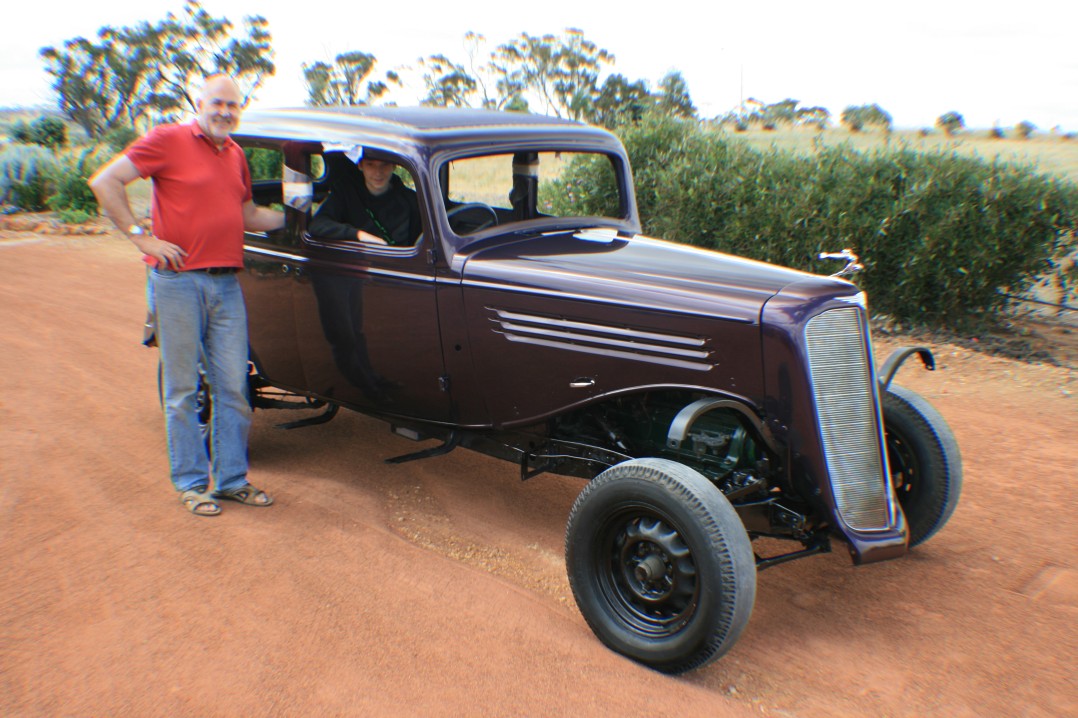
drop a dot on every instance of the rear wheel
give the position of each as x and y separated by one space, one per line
660 564
924 461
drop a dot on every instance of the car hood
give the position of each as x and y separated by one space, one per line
600 265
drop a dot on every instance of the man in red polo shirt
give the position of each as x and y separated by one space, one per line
202 203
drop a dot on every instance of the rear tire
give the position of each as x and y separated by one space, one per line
924 461
660 564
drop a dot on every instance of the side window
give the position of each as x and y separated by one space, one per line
370 201
267 166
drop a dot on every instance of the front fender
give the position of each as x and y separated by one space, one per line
898 357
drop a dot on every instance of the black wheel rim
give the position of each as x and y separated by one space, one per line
646 572
905 474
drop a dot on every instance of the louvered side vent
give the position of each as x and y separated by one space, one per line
644 345
841 380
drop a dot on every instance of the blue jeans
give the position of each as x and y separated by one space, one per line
202 319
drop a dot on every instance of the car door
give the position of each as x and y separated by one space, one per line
367 329
367 326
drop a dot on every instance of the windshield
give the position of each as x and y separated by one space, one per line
501 189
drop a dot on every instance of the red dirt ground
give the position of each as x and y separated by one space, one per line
438 587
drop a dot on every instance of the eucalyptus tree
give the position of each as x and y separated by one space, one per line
560 72
856 117
673 97
620 101
448 84
130 76
347 81
950 122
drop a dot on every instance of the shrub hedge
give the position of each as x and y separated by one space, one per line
939 234
33 178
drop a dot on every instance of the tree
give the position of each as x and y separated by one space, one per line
562 73
318 76
852 119
526 64
577 64
674 99
815 116
619 101
855 118
133 75
779 113
497 84
1024 129
346 81
950 122
769 116
199 45
448 84
101 86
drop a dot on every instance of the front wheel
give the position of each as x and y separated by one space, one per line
660 564
924 461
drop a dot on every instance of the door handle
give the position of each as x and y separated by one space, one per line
582 383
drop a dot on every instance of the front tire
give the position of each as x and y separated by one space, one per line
924 461
660 564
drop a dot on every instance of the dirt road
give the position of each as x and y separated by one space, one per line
438 587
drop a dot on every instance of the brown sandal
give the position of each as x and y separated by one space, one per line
199 503
246 494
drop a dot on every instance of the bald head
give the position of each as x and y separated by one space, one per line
219 106
215 84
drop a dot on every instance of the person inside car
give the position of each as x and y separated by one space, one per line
375 208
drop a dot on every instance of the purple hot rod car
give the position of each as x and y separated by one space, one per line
708 400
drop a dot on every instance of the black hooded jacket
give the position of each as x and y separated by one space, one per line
393 216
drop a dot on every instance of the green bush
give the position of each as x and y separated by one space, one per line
70 188
264 163
25 174
939 234
74 216
45 131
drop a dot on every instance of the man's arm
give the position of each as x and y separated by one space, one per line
330 223
109 185
261 219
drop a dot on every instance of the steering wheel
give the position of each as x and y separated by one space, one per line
459 209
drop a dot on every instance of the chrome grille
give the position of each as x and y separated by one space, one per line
846 410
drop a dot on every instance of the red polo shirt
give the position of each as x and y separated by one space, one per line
198 192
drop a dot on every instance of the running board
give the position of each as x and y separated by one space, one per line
451 443
329 413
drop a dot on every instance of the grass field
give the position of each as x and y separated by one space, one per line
1047 153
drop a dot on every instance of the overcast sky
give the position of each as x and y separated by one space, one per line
993 62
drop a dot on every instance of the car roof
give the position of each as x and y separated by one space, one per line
421 126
